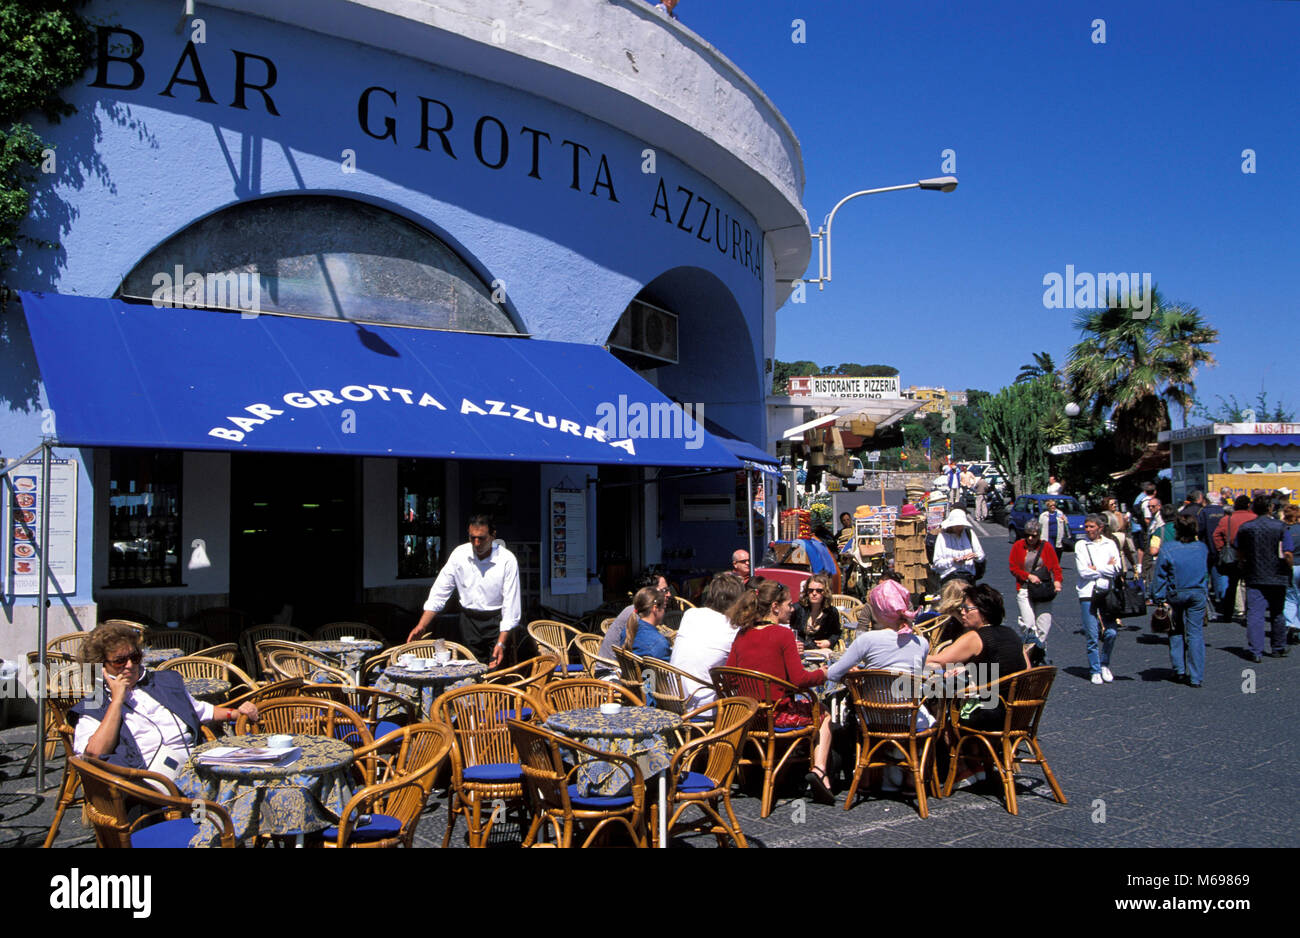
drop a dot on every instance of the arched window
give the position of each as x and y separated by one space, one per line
320 256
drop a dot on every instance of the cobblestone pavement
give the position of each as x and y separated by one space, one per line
1143 762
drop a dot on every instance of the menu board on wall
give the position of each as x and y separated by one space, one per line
23 527
567 541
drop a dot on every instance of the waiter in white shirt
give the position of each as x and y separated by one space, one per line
486 577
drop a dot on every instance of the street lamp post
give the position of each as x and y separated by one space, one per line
823 235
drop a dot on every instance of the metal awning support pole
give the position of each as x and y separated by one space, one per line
43 618
749 513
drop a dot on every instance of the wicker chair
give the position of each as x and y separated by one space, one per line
583 692
132 623
287 663
703 785
606 623
307 716
554 796
336 630
250 638
680 603
201 666
69 644
530 675
273 691
484 762
62 670
631 672
1024 695
667 685
557 638
191 643
887 723
588 647
386 812
847 605
227 651
113 791
64 694
775 748
263 651
384 712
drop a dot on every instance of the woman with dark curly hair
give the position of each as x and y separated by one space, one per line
149 720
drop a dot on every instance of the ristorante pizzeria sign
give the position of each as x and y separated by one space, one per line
433 125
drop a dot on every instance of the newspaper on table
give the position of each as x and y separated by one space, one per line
235 755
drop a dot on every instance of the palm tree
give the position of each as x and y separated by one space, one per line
1138 366
1042 366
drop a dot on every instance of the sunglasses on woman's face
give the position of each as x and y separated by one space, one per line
967 607
815 590
134 657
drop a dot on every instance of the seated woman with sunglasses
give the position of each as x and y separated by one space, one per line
149 720
814 620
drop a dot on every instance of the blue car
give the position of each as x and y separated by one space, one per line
1031 506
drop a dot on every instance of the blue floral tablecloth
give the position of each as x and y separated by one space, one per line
300 798
156 656
210 689
349 654
637 732
428 685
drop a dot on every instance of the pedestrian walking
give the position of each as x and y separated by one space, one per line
957 550
1291 608
981 499
1053 524
1180 579
1225 535
1265 549
1036 568
1097 560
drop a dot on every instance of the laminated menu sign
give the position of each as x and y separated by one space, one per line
23 505
567 541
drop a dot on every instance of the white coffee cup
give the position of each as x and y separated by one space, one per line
404 661
442 657
609 709
279 741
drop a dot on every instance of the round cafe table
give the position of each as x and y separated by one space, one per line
285 800
156 656
427 685
348 654
208 689
637 732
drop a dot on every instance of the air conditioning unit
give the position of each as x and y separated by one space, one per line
648 331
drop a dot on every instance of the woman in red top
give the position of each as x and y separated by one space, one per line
1033 560
766 644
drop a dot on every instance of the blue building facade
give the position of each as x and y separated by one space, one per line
358 181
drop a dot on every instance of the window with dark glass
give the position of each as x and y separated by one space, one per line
420 519
144 526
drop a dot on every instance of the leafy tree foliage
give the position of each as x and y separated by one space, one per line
47 47
1233 411
1012 426
1136 367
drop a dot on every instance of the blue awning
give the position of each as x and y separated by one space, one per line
123 374
1259 439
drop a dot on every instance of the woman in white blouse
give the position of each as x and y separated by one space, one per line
1098 562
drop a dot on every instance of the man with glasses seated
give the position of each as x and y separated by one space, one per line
149 720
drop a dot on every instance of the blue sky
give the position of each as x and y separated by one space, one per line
1122 156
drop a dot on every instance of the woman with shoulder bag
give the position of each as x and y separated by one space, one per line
1100 569
1038 579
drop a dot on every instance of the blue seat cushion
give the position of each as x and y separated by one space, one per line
384 727
525 714
569 668
791 729
695 781
378 827
171 834
597 802
494 772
